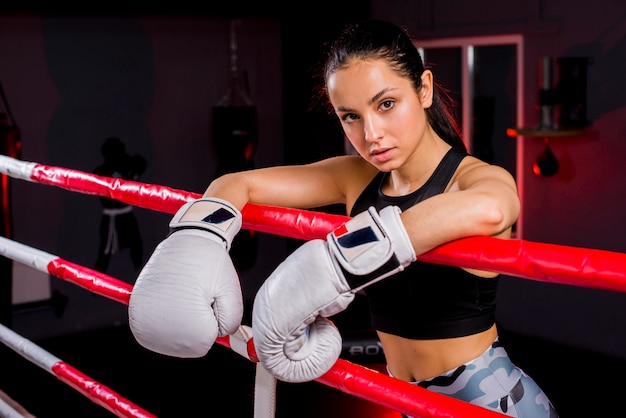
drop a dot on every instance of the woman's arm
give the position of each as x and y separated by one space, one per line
318 184
482 201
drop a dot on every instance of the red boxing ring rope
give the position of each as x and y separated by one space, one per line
543 262
560 264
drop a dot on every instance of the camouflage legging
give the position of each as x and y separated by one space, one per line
493 382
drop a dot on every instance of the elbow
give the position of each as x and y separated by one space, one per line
497 216
231 187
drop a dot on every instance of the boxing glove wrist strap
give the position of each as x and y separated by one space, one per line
371 247
212 214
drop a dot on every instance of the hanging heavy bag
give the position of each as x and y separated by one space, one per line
235 137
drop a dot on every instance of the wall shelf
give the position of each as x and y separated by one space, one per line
546 163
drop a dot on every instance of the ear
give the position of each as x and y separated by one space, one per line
427 90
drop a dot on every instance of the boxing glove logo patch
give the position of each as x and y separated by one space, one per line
221 215
211 214
360 245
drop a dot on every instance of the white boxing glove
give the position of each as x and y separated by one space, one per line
188 293
293 339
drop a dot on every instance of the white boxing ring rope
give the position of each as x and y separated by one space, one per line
84 384
7 411
565 265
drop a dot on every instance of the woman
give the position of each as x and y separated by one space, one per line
436 323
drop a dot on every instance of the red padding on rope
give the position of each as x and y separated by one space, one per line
598 269
91 280
399 395
293 223
97 393
155 197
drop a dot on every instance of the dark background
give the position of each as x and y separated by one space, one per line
151 74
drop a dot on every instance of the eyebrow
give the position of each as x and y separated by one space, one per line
372 100
380 93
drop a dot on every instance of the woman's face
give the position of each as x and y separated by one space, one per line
380 112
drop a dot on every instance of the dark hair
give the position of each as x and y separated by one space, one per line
384 40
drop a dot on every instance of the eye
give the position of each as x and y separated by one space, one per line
386 104
349 117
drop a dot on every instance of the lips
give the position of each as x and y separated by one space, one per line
381 155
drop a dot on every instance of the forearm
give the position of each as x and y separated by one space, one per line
297 186
451 216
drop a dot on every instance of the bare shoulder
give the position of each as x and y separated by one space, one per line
350 167
473 170
476 166
351 172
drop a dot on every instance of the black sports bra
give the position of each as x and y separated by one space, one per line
428 301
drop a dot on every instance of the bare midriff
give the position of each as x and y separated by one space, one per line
416 360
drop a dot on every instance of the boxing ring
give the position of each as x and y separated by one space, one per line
559 264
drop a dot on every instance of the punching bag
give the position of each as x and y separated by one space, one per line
235 139
10 144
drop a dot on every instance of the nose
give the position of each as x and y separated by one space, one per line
373 129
